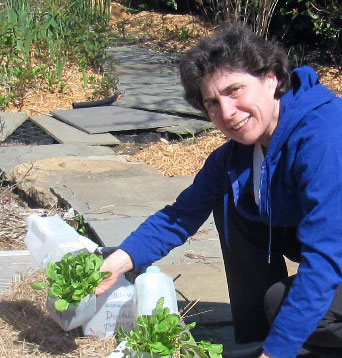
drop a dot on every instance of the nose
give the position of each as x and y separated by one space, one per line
228 108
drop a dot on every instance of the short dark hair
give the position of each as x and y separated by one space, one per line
236 48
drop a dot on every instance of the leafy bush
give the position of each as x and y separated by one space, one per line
314 22
154 5
256 13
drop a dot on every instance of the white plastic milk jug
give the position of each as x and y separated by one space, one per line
149 287
50 238
113 309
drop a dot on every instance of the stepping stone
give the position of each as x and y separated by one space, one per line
112 231
187 126
9 122
117 119
12 156
66 134
150 80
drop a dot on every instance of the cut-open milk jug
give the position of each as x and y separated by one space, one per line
50 238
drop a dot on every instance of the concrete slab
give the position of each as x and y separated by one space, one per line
9 122
205 282
66 134
115 118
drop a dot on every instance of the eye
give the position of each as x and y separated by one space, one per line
209 105
235 91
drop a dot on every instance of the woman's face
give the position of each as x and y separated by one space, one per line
242 106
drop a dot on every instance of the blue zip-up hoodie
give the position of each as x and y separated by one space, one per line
301 186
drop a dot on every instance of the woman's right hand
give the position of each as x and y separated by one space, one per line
117 263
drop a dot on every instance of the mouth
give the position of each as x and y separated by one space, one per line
240 124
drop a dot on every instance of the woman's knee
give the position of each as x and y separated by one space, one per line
275 296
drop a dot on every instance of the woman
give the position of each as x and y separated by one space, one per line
275 188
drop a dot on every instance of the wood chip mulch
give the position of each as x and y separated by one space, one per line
164 32
41 101
180 158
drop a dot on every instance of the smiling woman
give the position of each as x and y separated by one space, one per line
236 50
267 188
242 106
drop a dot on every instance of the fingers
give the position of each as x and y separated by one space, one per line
117 263
106 285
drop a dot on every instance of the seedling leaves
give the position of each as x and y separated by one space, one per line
73 278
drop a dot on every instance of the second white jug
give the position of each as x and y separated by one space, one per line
149 287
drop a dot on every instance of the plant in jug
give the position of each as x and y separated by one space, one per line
72 278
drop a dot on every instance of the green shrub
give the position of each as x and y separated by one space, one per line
314 22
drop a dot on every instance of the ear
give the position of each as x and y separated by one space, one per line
271 80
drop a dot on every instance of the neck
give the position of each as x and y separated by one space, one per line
273 125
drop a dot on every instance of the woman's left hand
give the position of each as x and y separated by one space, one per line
117 263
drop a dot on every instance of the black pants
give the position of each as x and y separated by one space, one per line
257 288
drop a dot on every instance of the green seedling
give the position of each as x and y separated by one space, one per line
163 334
82 227
72 279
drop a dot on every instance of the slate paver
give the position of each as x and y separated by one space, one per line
185 127
12 156
203 246
9 122
115 118
111 196
66 134
150 80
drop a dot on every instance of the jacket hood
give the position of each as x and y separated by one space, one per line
307 93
